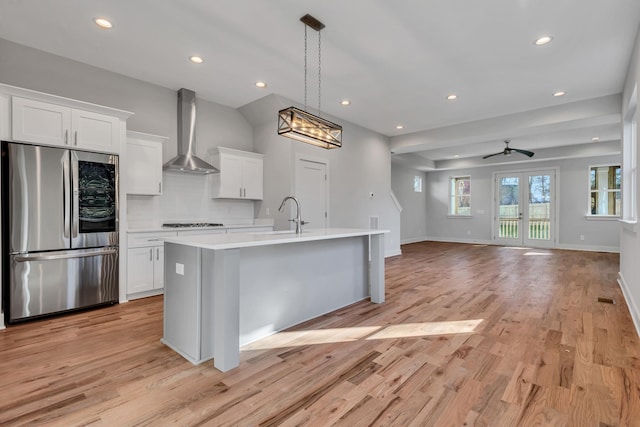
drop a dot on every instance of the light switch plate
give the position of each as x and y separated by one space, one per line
179 269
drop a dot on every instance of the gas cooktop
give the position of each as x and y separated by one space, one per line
192 225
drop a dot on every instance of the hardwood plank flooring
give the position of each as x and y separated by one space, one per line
469 335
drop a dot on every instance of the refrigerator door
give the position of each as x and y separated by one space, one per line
94 179
51 282
36 187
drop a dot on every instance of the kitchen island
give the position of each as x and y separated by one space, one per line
227 290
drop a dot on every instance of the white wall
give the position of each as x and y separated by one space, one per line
413 224
361 166
572 187
629 237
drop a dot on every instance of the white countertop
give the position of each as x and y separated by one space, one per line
173 229
247 240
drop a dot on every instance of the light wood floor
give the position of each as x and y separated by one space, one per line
469 335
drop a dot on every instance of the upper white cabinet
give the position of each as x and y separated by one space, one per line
52 124
240 174
144 163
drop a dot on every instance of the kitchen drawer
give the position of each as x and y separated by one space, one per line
152 238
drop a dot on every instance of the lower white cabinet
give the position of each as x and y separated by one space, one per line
145 264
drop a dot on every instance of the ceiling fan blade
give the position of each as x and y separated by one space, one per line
491 155
525 152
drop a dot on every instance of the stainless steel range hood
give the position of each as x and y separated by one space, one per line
186 161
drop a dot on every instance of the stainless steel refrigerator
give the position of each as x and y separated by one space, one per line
59 230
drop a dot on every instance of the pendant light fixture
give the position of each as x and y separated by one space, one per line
300 124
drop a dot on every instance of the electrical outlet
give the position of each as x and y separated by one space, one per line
179 269
582 237
268 211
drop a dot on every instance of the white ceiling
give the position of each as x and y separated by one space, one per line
394 60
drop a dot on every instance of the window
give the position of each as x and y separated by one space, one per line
604 190
460 195
417 184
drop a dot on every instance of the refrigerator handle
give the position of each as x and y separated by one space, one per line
75 208
66 214
48 256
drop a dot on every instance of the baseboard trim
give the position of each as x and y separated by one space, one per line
633 308
610 249
469 241
393 253
414 240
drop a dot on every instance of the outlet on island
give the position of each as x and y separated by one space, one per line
179 269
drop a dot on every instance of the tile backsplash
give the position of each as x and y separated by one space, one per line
186 198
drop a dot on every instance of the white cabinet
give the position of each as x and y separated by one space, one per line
145 263
51 124
240 174
144 164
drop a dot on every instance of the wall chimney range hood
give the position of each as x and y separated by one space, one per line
186 161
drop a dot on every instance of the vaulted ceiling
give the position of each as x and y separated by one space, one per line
396 62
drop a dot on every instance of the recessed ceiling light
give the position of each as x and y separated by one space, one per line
399 127
196 59
103 23
560 93
541 41
452 96
455 156
345 102
595 138
261 85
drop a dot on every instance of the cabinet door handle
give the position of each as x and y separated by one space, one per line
66 137
75 141
240 191
159 187
150 254
244 193
158 254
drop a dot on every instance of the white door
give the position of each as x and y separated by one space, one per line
94 131
524 208
40 122
252 179
312 192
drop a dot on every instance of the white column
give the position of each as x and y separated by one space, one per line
226 308
376 268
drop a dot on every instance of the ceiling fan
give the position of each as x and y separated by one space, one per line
508 150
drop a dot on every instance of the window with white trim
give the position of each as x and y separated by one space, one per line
460 195
417 184
604 190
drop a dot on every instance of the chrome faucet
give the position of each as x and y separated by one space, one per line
298 219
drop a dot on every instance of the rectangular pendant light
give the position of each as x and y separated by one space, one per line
302 126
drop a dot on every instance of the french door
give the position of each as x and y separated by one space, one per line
524 211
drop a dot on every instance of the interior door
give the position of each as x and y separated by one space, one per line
312 192
524 208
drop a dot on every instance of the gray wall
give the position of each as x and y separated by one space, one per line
413 225
572 186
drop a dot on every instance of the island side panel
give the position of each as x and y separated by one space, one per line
182 314
376 268
283 285
221 275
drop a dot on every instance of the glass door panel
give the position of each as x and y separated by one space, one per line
508 209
